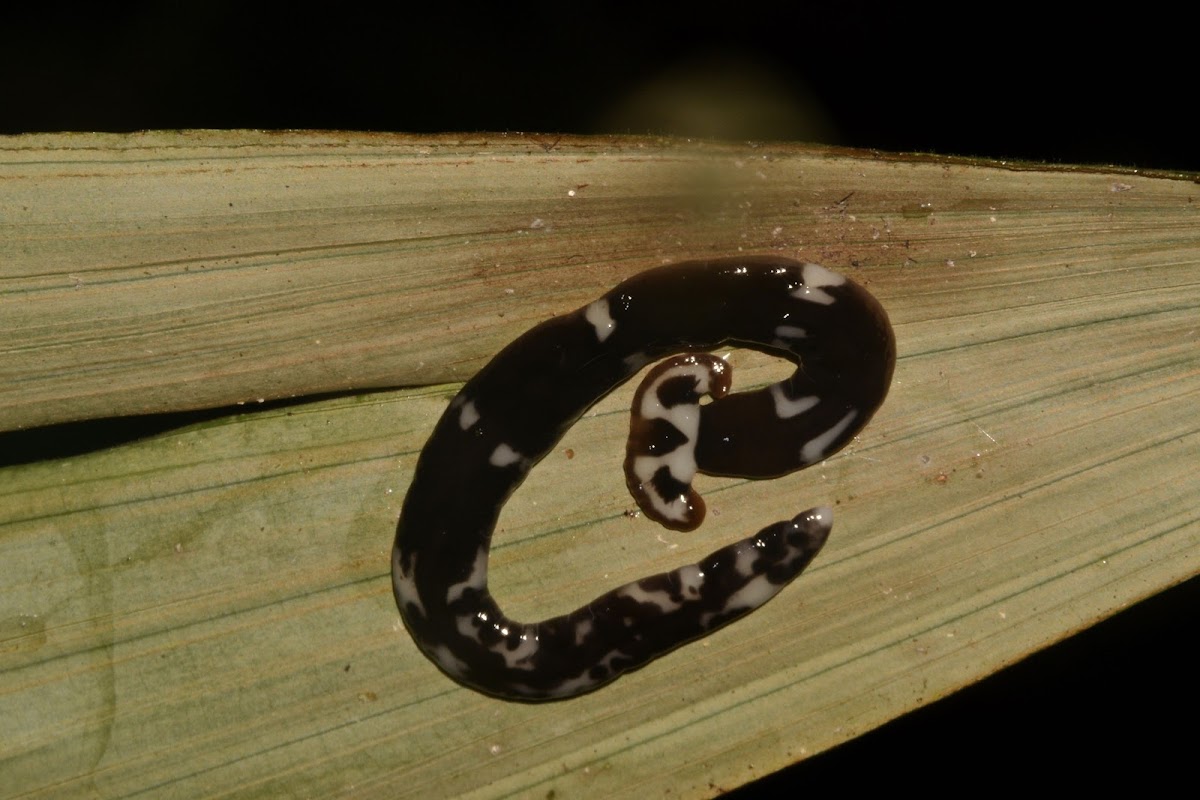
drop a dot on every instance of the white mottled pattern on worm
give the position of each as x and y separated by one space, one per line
510 415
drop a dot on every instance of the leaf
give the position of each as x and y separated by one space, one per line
208 612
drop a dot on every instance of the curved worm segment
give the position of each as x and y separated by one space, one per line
510 415
664 425
618 631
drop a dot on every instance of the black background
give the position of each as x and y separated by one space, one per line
1116 702
1103 89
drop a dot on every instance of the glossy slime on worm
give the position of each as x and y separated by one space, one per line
511 414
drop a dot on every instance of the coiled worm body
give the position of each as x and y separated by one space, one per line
511 414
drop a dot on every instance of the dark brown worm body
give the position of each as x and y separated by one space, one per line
510 415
